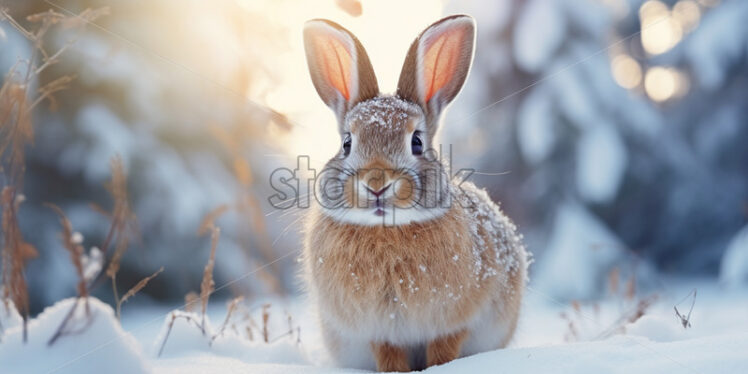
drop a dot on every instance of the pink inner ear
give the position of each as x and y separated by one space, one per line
440 58
336 62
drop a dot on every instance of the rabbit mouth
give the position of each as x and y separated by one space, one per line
379 208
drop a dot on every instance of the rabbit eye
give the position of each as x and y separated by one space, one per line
347 144
416 144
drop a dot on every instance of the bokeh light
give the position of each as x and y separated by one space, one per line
660 30
626 71
662 83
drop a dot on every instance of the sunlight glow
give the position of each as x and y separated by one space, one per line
688 13
626 71
662 84
660 30
386 35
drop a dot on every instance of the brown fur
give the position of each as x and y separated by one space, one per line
445 349
448 276
390 358
362 271
362 267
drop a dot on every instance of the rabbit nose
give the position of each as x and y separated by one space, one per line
380 192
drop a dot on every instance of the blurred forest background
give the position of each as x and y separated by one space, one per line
621 126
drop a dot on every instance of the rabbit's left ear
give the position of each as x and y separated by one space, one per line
339 66
438 63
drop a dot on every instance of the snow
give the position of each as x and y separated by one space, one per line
96 345
387 112
540 31
734 269
616 355
580 252
655 343
186 339
719 42
535 132
9 317
601 163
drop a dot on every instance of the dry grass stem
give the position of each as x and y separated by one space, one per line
265 319
135 289
16 133
247 203
15 253
628 317
685 320
74 248
65 328
229 311
191 299
174 316
209 221
123 225
207 286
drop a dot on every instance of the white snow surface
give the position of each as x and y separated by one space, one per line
734 268
96 344
716 342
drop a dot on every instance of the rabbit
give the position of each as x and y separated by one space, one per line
406 267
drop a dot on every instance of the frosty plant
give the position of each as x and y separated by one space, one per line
88 266
17 102
201 322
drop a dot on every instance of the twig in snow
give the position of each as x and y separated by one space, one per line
63 329
135 289
630 316
207 286
265 318
230 310
686 320
174 316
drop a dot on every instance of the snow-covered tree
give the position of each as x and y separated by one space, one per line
572 98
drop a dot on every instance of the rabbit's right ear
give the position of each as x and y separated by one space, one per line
339 66
438 63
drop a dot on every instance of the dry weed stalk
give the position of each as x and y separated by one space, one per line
15 253
265 319
247 203
123 225
685 320
76 251
630 316
74 248
230 308
135 289
65 329
207 286
16 133
209 221
632 308
290 331
174 316
190 300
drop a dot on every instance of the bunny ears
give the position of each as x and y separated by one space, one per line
434 71
339 66
438 63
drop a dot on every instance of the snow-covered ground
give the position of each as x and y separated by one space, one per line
553 336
